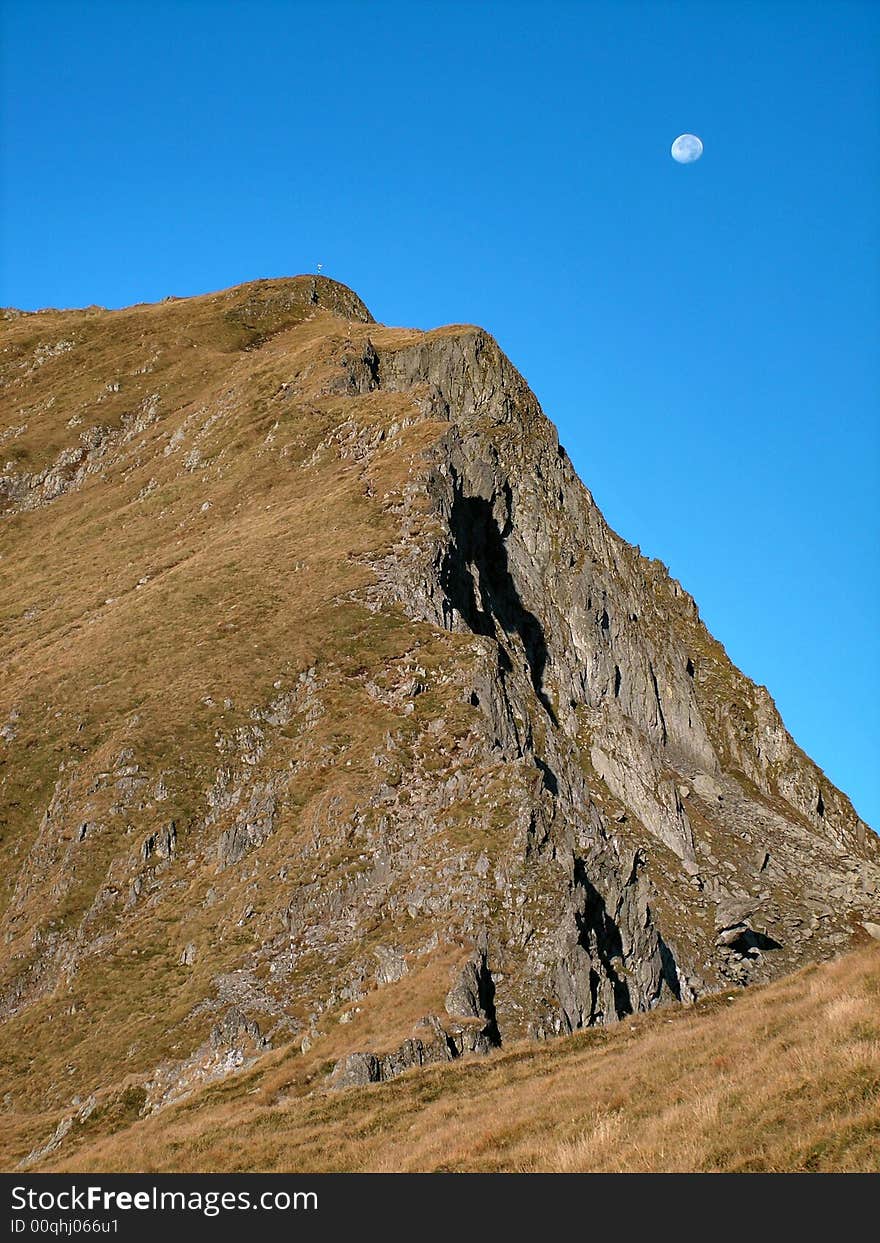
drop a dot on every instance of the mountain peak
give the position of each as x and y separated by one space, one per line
278 296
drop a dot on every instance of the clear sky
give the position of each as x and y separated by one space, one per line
705 337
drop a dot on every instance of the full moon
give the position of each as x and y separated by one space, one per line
687 149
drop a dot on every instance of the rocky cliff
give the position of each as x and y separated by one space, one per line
336 721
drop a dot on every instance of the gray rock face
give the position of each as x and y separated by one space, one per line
472 994
392 965
658 765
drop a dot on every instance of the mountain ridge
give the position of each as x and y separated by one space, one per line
328 686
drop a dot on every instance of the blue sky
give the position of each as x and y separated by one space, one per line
702 336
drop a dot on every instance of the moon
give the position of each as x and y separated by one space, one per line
686 149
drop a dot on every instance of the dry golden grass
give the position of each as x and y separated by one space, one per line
780 1078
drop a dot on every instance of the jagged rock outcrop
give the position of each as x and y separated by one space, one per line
470 1028
440 1042
324 677
606 680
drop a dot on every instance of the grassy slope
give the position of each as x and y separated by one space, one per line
130 616
785 1077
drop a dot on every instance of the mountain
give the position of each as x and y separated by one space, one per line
336 724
